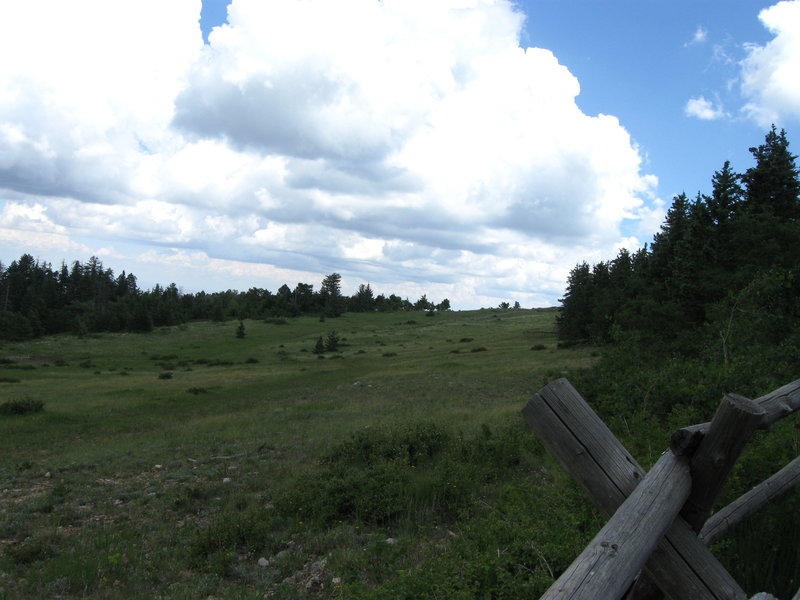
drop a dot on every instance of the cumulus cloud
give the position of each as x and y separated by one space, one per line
400 141
704 109
770 79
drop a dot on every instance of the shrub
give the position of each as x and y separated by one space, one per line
21 406
165 375
276 321
538 347
332 342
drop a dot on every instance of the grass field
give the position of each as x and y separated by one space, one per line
191 463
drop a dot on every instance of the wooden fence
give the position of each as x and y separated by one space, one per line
656 540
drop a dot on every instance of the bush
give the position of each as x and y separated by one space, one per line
165 375
386 475
332 342
21 406
276 321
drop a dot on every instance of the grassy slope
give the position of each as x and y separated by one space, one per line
133 484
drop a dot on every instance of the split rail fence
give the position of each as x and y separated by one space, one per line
661 522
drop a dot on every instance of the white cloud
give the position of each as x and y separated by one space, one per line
770 78
400 141
699 37
704 109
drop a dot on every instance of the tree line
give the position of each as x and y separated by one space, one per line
36 300
718 289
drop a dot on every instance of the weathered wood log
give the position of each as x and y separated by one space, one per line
731 428
776 404
610 562
680 565
721 522
584 445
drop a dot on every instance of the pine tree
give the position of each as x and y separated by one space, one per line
772 184
331 295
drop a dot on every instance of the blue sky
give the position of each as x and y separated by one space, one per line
469 149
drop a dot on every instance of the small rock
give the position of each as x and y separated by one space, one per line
47 475
336 581
158 467
263 562
391 541
226 480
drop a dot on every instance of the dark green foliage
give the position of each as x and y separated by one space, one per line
237 530
713 306
332 342
406 472
21 406
36 300
331 295
319 347
708 251
240 331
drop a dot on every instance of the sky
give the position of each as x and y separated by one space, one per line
475 150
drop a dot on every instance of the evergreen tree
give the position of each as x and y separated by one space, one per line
363 300
331 295
726 195
772 184
575 318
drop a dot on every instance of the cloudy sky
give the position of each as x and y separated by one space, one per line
474 150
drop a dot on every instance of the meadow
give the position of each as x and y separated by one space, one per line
193 462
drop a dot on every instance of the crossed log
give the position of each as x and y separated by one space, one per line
656 516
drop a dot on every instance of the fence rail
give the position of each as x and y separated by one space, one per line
660 522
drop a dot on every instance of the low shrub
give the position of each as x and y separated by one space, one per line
21 406
276 321
405 473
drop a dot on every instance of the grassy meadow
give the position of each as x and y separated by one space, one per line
192 463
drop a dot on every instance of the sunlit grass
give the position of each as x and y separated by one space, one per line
111 491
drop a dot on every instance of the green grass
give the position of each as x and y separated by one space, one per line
397 466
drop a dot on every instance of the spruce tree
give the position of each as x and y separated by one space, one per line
772 184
